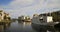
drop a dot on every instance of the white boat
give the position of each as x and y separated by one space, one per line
42 22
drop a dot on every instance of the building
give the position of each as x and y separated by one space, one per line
24 18
35 15
3 15
7 16
21 18
27 18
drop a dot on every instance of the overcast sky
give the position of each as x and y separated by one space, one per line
29 7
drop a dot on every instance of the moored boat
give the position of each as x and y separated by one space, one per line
42 22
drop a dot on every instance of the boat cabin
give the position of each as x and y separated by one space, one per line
45 18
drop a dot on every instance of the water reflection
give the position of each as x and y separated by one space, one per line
4 27
20 27
26 23
25 27
41 28
1 28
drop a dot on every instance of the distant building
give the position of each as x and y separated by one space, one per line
24 18
21 18
27 18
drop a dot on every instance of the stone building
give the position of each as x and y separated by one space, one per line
3 15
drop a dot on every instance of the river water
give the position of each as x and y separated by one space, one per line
19 27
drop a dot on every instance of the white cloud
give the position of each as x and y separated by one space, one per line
22 2
29 7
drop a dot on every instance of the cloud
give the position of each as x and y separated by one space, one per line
29 7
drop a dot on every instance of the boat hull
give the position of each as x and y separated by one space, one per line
41 28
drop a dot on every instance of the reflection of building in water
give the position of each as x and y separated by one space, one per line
26 24
1 28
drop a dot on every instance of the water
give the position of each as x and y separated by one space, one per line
19 27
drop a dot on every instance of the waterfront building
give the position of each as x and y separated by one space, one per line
1 15
21 18
27 18
7 16
4 15
24 18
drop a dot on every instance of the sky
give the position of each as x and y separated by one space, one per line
29 7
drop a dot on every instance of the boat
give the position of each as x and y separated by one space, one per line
42 22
